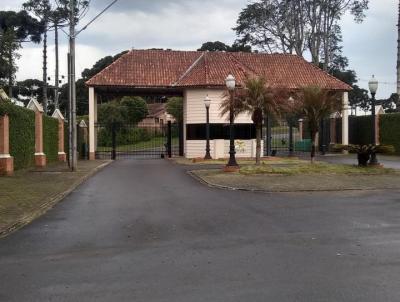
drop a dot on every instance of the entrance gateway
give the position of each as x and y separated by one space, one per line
193 75
142 141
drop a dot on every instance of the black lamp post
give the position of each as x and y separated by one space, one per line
373 87
207 103
230 82
290 120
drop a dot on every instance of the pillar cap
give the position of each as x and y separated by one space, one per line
82 124
35 106
58 115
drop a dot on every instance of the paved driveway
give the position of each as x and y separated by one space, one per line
145 231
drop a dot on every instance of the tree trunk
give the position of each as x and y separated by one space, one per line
258 143
45 71
313 146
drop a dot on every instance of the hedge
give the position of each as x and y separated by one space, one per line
360 128
50 138
22 134
389 125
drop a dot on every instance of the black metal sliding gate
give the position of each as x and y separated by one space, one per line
143 141
284 138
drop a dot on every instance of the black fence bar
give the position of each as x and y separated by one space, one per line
169 139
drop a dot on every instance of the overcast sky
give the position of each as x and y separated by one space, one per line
186 24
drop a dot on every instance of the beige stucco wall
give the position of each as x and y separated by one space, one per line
194 112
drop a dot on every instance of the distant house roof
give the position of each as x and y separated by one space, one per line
156 109
179 69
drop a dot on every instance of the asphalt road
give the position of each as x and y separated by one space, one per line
145 231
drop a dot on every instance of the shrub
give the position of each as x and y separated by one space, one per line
22 134
360 130
389 125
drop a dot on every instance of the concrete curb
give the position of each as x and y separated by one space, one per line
228 188
25 220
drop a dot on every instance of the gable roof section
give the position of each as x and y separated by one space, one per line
145 68
179 69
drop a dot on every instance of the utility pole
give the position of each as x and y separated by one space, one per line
398 52
56 81
45 70
72 109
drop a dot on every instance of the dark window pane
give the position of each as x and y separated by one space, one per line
220 131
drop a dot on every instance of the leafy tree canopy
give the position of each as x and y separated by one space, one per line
175 108
220 46
128 110
100 65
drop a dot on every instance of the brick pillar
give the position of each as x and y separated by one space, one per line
377 130
6 160
40 157
61 152
301 122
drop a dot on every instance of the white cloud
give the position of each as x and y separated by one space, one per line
186 24
30 63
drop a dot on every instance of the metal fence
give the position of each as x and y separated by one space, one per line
144 141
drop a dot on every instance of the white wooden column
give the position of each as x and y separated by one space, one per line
345 119
185 120
92 122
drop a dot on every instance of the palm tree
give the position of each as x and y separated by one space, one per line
257 99
315 104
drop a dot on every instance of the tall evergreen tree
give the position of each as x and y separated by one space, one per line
15 28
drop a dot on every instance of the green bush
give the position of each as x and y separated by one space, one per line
390 130
123 136
22 134
50 138
360 130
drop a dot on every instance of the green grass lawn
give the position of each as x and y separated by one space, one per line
304 167
155 142
287 175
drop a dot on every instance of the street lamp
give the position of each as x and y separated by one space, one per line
207 103
230 82
373 87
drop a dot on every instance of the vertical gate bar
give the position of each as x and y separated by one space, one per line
291 147
114 142
322 132
269 136
181 139
169 139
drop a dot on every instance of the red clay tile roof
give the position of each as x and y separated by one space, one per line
156 109
169 69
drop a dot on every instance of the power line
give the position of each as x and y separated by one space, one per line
96 17
383 83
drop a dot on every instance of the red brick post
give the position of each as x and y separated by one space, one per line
40 157
377 129
6 160
301 126
61 152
